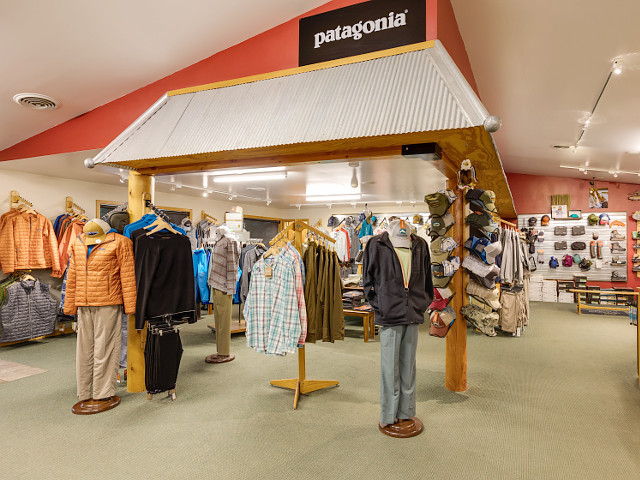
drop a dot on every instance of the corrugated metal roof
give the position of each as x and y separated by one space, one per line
410 92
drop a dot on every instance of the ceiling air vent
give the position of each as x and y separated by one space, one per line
36 101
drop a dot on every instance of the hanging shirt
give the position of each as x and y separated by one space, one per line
298 266
341 245
145 221
200 271
271 309
224 265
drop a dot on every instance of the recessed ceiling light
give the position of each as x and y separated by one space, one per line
36 101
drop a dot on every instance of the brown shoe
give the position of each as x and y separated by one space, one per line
217 358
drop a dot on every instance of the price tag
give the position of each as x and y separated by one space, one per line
268 271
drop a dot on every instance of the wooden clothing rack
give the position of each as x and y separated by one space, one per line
301 385
74 209
204 215
16 200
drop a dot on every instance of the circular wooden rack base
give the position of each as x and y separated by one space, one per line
403 428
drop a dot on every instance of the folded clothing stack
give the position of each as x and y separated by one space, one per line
352 299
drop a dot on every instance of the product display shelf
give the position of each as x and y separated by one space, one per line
610 301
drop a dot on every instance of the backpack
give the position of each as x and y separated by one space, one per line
567 261
553 263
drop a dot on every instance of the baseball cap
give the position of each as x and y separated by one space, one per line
417 219
482 219
604 219
540 236
441 247
593 219
492 251
441 225
489 296
438 302
478 231
477 245
438 203
333 221
481 200
441 322
484 273
447 292
544 221
532 221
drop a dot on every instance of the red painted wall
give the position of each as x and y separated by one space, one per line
532 194
275 49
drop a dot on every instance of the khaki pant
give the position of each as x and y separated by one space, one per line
222 315
98 350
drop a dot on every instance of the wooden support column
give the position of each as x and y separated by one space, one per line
139 185
456 354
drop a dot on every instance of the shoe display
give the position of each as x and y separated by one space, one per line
600 245
616 236
635 259
618 261
616 247
636 268
618 276
592 248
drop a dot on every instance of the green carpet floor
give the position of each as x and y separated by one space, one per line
560 402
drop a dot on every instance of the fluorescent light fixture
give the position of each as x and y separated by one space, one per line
334 198
247 171
258 177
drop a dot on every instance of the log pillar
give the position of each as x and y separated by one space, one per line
456 348
140 186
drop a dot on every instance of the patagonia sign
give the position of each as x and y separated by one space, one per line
361 28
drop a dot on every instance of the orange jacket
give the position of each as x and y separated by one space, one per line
27 240
65 243
105 277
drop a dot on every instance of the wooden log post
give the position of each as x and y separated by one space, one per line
138 186
456 348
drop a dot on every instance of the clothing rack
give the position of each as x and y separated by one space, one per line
74 209
504 222
301 384
205 216
156 210
17 200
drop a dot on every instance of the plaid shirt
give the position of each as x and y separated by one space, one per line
298 267
223 268
271 310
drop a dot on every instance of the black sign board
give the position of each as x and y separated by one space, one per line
361 28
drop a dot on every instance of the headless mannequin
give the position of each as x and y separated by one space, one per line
400 357
222 312
96 232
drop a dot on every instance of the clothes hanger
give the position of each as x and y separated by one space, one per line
160 224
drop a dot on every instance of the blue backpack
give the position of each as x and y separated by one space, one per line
553 262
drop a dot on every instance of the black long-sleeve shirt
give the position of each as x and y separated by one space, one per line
164 277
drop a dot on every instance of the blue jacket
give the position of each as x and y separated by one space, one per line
200 271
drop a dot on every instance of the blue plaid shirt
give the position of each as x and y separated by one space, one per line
271 308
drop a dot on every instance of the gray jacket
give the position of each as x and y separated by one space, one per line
30 311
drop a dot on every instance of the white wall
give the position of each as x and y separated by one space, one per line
48 196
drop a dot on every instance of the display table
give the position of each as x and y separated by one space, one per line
600 306
367 321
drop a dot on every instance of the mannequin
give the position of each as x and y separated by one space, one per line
222 279
100 280
397 283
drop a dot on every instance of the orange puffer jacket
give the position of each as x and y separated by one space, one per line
105 277
27 240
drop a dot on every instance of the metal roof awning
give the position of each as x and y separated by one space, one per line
412 94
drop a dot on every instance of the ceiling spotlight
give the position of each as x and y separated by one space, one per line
123 178
617 69
299 206
269 203
329 205
353 204
586 172
178 185
615 174
172 188
587 121
205 194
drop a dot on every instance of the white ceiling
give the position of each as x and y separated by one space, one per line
539 66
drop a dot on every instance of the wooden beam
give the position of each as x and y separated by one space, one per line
307 68
456 348
139 186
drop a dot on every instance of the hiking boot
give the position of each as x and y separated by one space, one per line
618 261
636 268
616 236
635 259
618 277
615 247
